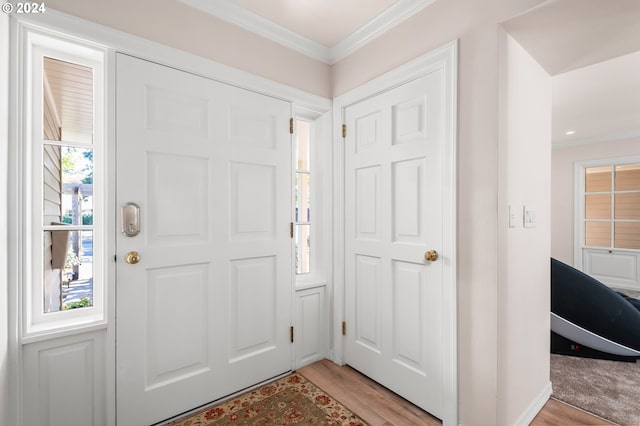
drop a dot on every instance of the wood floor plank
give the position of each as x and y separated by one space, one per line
378 406
557 413
374 403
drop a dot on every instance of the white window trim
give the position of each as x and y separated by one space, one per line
579 203
320 195
35 324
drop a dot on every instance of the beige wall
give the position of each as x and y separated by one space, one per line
475 24
523 253
176 25
563 181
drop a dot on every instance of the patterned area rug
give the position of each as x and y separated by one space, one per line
608 389
292 400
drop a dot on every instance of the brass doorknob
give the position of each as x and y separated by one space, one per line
431 255
132 257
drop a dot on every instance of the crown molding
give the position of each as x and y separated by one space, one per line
389 18
598 139
230 12
234 14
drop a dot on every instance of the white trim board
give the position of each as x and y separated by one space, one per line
534 408
230 12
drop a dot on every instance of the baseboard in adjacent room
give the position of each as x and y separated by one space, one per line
534 408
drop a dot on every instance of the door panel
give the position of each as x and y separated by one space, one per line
409 201
252 190
408 315
165 332
253 325
177 180
206 312
368 203
368 302
393 184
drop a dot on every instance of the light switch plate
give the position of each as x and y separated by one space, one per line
529 219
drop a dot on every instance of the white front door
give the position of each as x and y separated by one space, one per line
394 153
207 309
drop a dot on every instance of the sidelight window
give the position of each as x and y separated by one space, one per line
303 227
310 196
65 187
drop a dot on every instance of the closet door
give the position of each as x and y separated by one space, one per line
394 229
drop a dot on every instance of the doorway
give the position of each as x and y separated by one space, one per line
562 49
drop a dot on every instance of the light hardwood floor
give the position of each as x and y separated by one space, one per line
378 406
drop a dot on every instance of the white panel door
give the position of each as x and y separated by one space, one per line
207 310
393 215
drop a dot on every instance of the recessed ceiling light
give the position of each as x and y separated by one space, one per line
570 132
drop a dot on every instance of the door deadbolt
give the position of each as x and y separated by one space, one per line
130 219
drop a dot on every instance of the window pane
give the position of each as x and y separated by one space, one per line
597 179
73 195
302 142
598 206
68 270
628 206
55 255
597 234
52 185
77 291
68 101
303 197
628 177
303 249
627 235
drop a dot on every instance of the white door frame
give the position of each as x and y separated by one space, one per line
444 57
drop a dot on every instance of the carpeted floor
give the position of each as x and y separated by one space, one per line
609 389
292 400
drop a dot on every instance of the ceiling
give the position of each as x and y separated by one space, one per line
326 22
591 48
600 102
325 30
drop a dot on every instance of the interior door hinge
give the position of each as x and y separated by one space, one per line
344 328
344 130
291 229
291 125
291 334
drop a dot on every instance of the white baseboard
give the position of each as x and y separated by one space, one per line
534 408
